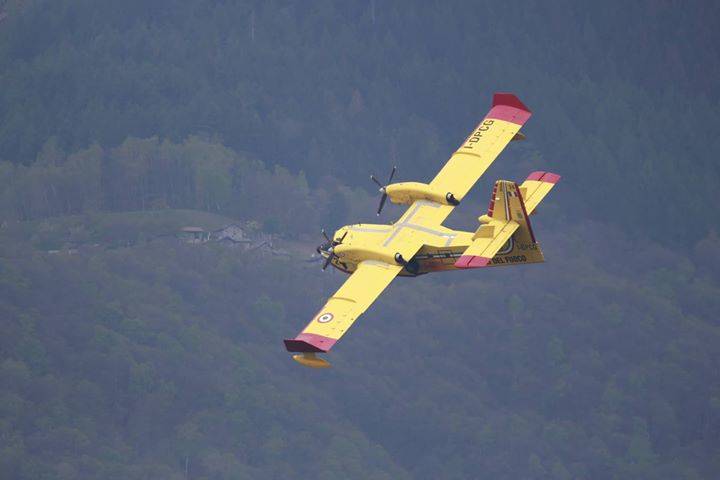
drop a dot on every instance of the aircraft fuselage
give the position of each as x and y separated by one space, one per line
367 241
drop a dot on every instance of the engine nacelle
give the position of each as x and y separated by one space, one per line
405 193
357 254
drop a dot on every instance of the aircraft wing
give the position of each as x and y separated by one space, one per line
421 222
342 309
481 148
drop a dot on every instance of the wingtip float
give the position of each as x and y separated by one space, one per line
311 360
418 243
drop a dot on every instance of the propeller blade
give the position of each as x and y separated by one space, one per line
392 174
327 261
382 203
383 188
342 238
372 177
325 235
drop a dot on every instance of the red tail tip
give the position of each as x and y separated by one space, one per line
544 177
535 176
551 177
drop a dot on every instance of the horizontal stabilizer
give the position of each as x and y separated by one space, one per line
505 236
536 186
483 249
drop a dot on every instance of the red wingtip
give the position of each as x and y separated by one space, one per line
509 108
309 342
471 261
508 100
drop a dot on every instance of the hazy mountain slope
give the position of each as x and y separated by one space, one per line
162 359
129 362
623 94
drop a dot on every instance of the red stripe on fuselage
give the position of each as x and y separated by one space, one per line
472 261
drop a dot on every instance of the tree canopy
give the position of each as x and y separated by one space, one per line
624 95
139 356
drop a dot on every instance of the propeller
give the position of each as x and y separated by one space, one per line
331 247
383 188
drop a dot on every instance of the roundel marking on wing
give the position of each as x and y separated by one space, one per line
325 317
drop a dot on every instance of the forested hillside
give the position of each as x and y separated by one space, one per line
146 357
625 96
139 362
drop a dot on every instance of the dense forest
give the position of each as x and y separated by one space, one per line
145 357
349 88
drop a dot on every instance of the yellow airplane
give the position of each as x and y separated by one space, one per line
374 254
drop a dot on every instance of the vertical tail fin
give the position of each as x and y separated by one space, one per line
506 204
